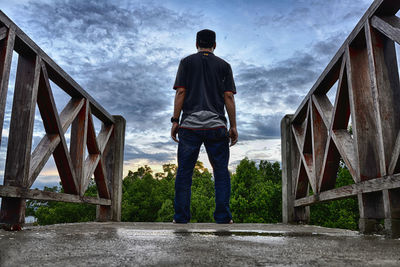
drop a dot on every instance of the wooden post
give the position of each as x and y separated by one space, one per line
365 128
386 88
20 138
113 157
287 190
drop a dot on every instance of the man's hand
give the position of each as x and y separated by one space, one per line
233 135
174 131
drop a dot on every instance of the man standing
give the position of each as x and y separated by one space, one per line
204 86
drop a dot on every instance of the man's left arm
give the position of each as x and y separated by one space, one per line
178 104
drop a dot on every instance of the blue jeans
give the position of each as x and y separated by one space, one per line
216 142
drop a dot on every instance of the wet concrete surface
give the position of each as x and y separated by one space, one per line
167 244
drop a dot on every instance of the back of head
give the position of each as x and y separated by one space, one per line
205 38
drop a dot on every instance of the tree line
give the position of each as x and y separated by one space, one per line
256 198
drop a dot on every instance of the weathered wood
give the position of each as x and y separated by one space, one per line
386 86
52 125
345 145
6 52
324 107
20 136
101 180
14 192
92 146
118 165
50 142
77 145
379 7
320 136
389 26
286 150
367 186
3 33
113 158
104 136
363 112
70 111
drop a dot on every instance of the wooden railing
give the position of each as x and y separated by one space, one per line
34 72
317 136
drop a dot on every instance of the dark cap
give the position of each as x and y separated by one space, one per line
205 38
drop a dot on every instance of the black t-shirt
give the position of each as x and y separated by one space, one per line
205 77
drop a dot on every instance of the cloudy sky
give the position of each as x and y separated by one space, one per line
126 53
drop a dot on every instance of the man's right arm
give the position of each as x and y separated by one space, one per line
229 99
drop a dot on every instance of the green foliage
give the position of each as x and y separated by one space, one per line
339 213
256 192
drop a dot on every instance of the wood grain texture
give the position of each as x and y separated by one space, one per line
368 186
386 86
287 166
70 111
320 136
324 107
389 26
18 192
20 136
3 33
101 180
363 112
77 145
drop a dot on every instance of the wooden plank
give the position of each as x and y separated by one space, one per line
92 145
101 180
386 89
20 136
52 124
319 138
118 166
3 33
18 192
70 111
104 136
367 186
324 107
46 146
379 7
363 112
287 166
389 26
78 143
6 52
22 119
345 145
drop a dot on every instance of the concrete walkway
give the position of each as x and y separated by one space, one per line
166 244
